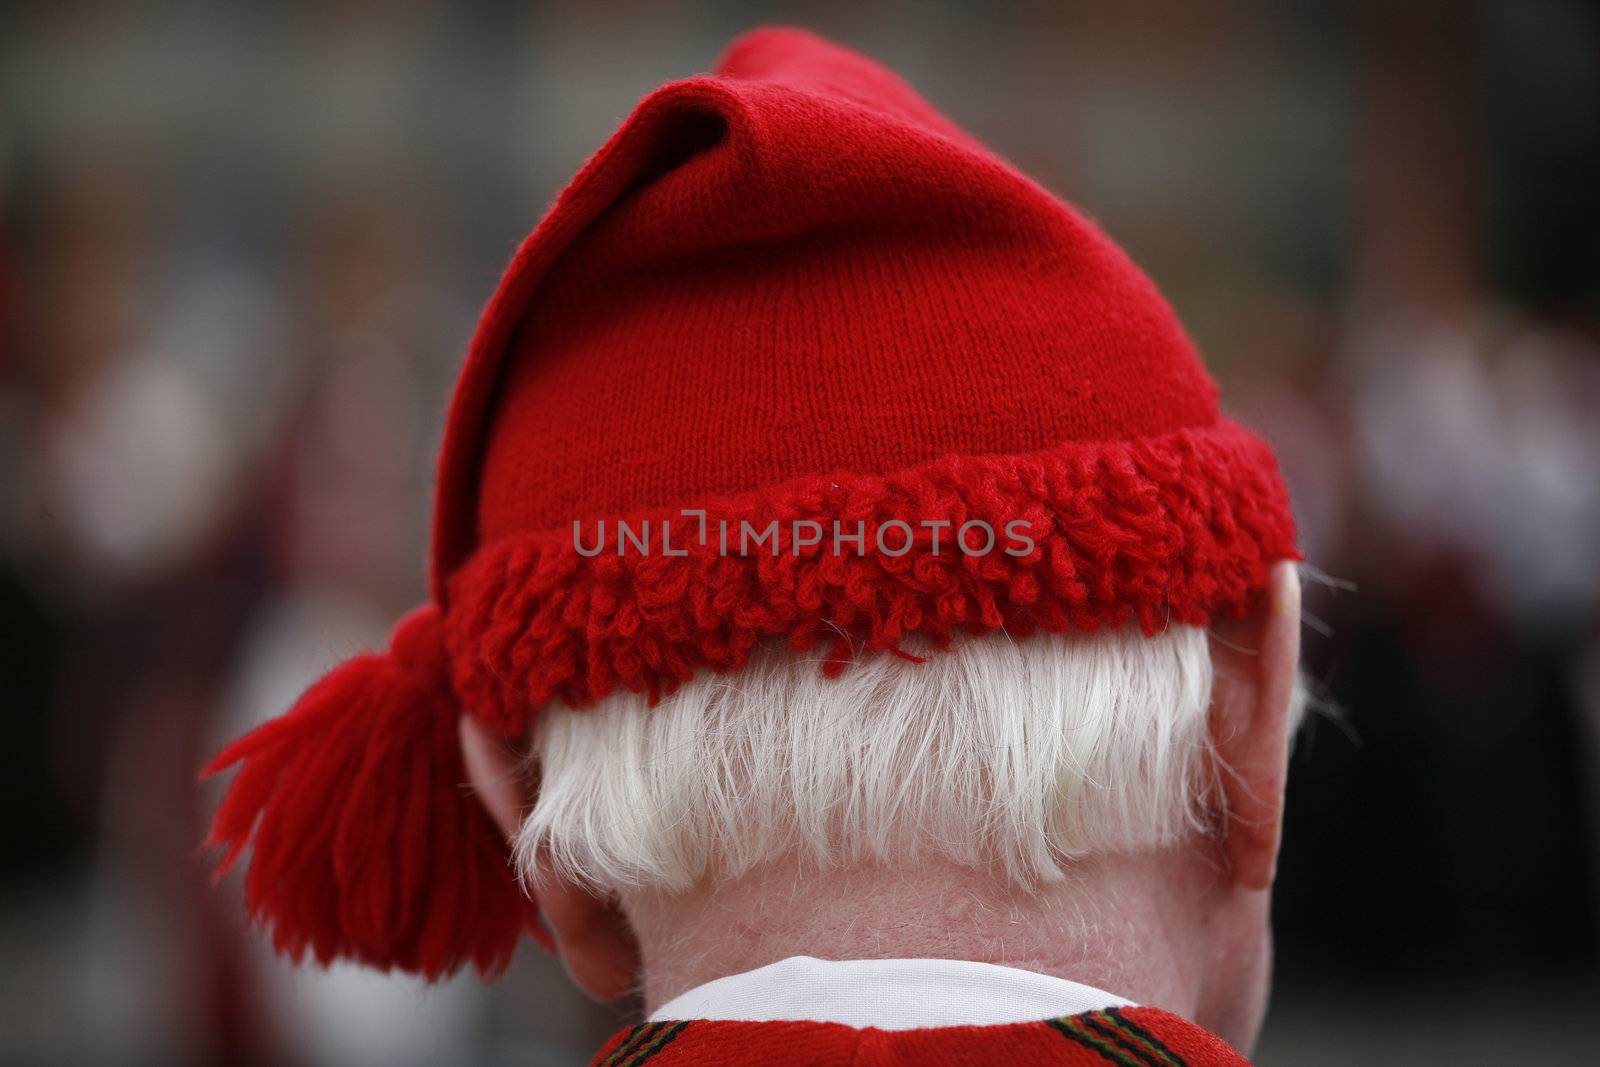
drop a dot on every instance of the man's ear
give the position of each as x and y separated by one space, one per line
593 937
1255 660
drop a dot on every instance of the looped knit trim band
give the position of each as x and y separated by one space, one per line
1171 529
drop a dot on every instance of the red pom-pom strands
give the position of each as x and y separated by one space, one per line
366 843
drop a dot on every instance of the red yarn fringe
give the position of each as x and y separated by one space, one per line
366 842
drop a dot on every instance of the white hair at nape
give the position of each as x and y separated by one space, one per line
1025 754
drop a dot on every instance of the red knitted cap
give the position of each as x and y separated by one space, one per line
792 357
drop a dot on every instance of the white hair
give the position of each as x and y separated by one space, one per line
1022 753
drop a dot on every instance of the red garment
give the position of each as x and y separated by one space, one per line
1123 1037
789 295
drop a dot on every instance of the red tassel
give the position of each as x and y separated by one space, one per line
366 842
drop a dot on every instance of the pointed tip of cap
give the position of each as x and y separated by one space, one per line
809 63
757 53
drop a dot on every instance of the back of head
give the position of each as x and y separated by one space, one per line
1060 803
824 497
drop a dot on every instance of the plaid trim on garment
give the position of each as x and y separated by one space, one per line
1121 1037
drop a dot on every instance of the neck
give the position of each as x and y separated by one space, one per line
1111 924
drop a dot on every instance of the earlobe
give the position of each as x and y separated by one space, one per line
592 935
1255 660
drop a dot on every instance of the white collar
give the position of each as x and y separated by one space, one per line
887 994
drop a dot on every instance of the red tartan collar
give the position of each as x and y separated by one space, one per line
1122 1037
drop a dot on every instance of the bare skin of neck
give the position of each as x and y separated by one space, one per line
1166 928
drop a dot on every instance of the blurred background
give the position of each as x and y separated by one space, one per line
242 248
